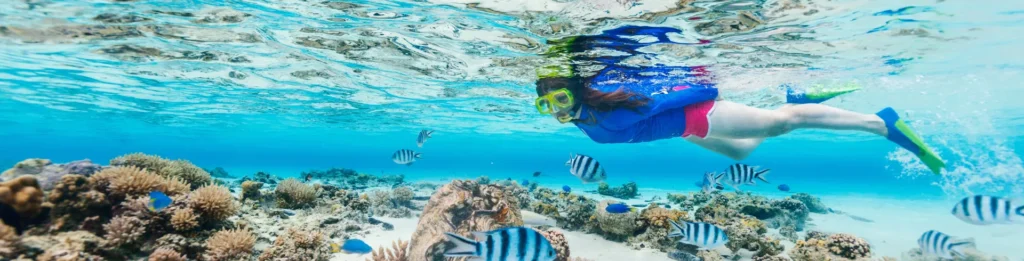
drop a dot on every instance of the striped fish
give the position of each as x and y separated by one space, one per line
743 174
506 244
711 182
405 157
987 210
585 168
424 135
703 235
941 245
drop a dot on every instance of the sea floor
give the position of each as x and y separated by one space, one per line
892 227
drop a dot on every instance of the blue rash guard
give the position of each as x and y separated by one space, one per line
661 118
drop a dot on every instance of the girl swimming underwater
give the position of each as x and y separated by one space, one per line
621 104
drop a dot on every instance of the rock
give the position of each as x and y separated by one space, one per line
617 226
813 203
461 207
50 174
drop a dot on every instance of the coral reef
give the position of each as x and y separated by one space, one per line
73 200
627 191
213 203
166 254
616 226
124 230
228 245
251 189
559 243
184 170
570 211
813 203
727 210
75 245
184 220
291 193
298 245
398 252
832 247
655 228
350 179
461 207
395 203
691 201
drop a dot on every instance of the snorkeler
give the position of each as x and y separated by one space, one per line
628 104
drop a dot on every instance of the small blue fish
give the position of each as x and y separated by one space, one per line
566 188
158 201
526 182
356 246
618 208
784 188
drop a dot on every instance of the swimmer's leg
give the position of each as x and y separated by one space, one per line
736 149
732 120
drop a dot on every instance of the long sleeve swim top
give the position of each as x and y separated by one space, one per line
661 118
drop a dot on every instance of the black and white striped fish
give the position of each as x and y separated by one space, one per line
506 244
405 156
743 174
586 168
703 235
944 246
424 135
987 210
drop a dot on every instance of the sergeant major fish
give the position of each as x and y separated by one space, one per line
987 210
424 135
944 246
405 157
743 174
711 182
585 168
506 244
703 235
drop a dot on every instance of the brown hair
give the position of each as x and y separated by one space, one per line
600 101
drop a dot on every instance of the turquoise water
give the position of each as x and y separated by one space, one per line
288 86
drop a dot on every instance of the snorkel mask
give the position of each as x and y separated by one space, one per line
558 101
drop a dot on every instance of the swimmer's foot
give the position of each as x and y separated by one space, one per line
814 95
901 134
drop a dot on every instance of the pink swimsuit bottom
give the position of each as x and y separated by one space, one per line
697 117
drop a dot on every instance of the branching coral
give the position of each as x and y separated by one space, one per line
298 245
251 189
189 174
124 230
291 193
230 245
402 196
134 181
832 247
214 203
140 160
184 219
397 252
166 254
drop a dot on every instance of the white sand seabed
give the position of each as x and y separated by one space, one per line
404 227
898 223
